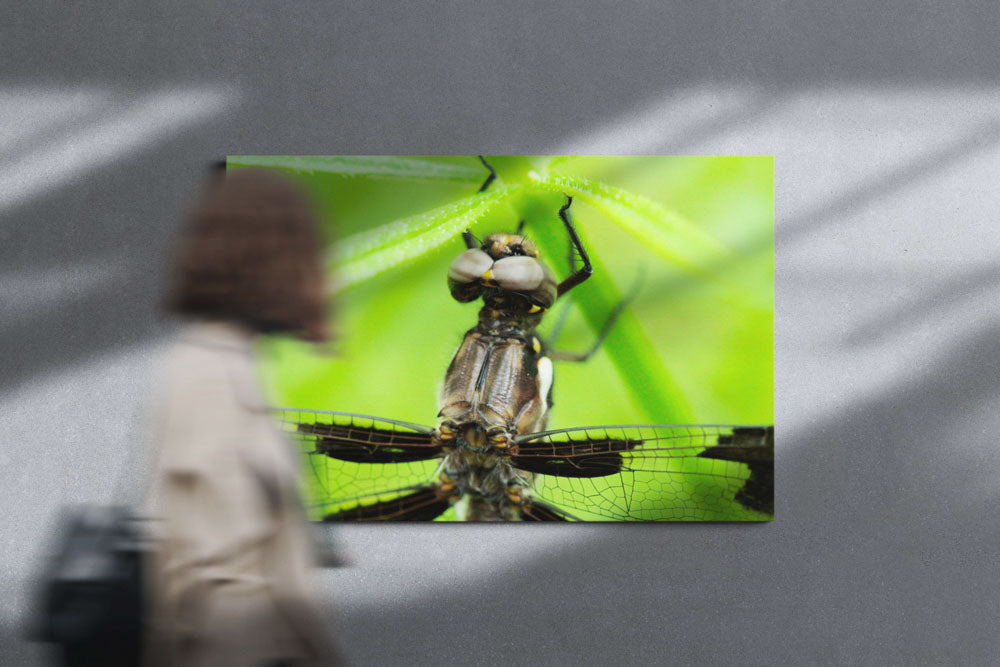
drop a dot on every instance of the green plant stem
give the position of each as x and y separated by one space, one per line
641 371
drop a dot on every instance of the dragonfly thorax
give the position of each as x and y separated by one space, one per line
484 483
506 318
471 436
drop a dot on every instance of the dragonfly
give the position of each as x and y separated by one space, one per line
490 457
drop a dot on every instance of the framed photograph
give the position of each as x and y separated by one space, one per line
537 338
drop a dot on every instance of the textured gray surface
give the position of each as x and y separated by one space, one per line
885 126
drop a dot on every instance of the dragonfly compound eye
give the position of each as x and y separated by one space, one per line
470 266
518 273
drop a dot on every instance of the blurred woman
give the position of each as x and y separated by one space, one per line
230 580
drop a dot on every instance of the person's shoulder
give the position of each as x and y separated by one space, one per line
205 354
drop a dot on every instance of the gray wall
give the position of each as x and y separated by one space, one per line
884 124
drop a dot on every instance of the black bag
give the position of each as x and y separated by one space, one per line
92 591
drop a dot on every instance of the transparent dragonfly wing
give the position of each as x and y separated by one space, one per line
364 468
653 473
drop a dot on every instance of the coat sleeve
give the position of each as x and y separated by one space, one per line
213 517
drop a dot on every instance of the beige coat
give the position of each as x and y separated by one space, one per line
229 582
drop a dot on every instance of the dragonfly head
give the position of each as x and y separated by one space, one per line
514 271
505 269
499 246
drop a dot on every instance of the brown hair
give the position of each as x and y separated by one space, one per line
250 253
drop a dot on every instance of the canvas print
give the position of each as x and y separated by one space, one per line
537 338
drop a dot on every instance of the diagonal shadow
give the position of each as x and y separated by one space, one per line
980 283
757 108
48 114
838 209
133 237
620 139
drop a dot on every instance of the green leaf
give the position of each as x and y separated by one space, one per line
377 250
668 234
639 367
371 166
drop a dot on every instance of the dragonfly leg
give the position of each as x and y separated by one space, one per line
445 433
490 178
515 500
560 355
471 242
586 270
502 440
446 484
